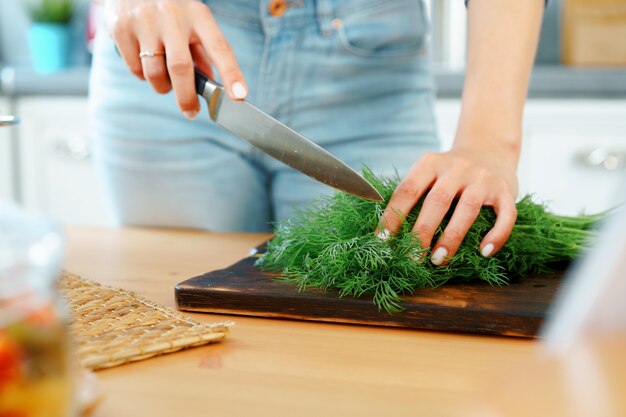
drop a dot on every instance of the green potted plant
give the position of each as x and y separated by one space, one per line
49 33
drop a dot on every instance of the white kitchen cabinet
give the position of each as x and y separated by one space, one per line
57 173
573 155
7 191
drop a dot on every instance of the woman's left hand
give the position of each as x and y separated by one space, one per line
480 170
478 174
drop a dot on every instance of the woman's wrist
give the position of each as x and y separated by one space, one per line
491 117
494 141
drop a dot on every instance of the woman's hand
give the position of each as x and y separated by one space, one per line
478 175
480 170
187 33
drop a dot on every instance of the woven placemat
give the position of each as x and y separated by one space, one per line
111 326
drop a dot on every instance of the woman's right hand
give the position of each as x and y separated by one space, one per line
186 31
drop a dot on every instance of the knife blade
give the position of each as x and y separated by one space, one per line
280 141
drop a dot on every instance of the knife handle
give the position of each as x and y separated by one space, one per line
205 86
211 90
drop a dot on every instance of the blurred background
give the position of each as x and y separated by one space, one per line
574 148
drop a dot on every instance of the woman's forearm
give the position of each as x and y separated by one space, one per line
502 41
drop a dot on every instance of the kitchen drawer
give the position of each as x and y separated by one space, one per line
575 174
58 176
573 153
576 153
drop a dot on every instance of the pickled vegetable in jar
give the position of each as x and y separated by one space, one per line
35 370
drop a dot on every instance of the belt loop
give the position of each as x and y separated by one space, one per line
325 16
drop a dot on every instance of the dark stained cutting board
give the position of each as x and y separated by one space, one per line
514 310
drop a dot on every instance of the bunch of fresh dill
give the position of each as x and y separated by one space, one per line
332 245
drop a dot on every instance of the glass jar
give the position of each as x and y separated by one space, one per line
35 370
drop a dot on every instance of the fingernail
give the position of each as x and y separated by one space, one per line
383 234
439 256
486 250
190 114
239 91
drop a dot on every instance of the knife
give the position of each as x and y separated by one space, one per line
281 142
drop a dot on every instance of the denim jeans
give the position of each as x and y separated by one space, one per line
351 75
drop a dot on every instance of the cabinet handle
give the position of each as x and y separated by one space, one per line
603 157
75 148
8 120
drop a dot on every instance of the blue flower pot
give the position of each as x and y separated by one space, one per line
49 46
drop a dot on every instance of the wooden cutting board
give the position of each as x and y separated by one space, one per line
514 310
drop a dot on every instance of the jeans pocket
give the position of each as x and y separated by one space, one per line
243 13
382 29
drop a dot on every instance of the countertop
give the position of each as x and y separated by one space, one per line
546 81
271 367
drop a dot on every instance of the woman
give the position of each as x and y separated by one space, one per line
351 75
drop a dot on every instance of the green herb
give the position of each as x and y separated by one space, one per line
332 245
52 11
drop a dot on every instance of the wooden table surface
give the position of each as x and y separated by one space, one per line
270 367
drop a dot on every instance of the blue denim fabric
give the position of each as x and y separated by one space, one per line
351 75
